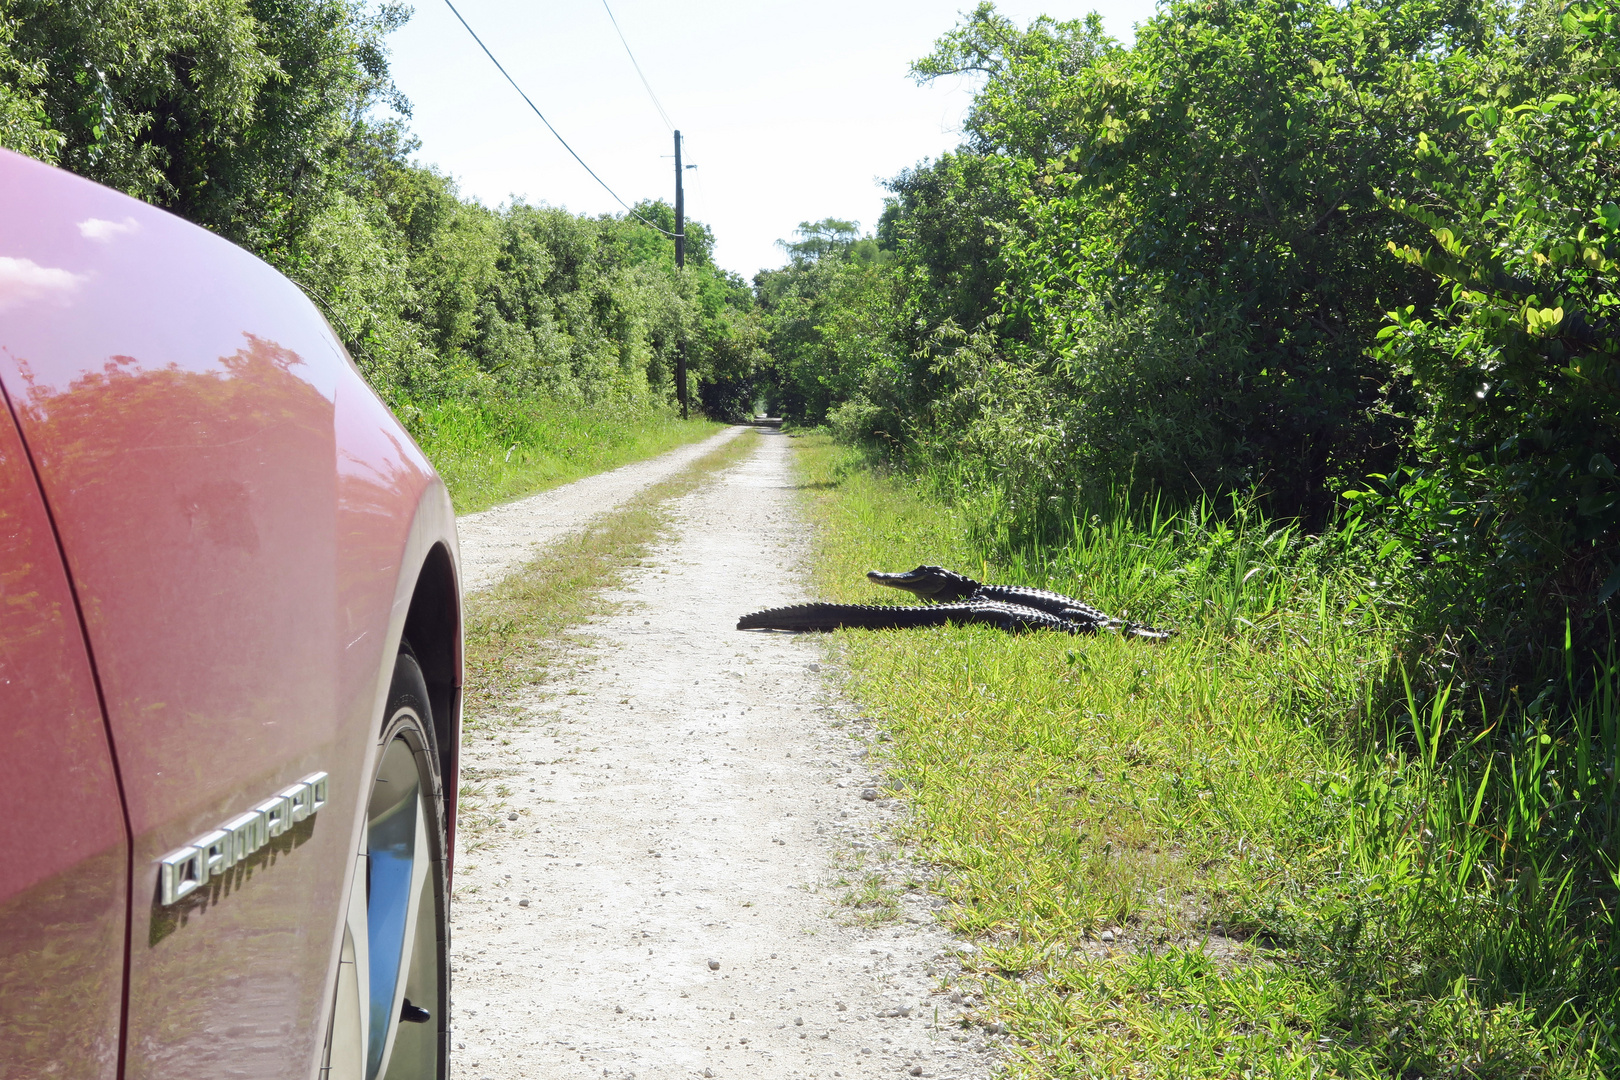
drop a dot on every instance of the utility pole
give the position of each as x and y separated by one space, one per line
680 264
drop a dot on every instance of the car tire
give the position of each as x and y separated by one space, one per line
390 1011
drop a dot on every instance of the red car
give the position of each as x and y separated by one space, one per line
230 668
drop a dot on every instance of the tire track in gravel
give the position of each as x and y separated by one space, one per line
664 901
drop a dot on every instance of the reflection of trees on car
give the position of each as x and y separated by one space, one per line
63 866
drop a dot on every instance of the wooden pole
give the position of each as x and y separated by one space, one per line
680 264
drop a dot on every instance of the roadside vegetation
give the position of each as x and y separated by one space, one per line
1351 262
1293 326
1220 855
489 451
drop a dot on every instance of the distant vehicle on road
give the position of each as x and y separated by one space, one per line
230 668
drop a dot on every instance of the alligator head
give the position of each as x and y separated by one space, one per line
928 582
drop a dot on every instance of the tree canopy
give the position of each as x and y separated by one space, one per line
275 123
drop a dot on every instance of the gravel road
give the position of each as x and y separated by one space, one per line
497 541
664 900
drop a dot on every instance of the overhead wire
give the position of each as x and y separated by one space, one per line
651 93
656 103
628 209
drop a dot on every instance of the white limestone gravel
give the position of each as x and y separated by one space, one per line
688 797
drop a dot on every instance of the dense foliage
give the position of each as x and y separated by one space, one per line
824 308
1509 502
1349 268
1295 248
274 123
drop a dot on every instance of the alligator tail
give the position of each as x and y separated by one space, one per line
1013 618
801 618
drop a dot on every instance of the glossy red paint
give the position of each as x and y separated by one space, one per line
64 858
376 462
243 523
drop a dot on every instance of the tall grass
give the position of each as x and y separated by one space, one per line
492 447
1303 873
1493 853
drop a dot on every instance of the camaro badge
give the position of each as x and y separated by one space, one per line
183 872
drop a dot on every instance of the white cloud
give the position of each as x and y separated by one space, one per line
23 281
104 231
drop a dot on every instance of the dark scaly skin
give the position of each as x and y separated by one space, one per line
810 617
929 582
1066 607
939 584
936 583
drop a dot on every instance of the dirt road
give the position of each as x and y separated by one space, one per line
665 902
497 541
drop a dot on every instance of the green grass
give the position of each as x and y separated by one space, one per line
1295 885
493 449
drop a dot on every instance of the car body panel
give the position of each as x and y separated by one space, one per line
64 858
374 464
239 514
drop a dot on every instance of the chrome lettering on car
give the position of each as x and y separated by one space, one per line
185 870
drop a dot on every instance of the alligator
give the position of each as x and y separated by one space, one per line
953 599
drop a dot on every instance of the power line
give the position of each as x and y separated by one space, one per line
546 122
656 103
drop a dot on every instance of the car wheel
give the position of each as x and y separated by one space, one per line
389 1017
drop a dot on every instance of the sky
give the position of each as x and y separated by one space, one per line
791 111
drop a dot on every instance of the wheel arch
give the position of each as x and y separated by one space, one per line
433 629
433 633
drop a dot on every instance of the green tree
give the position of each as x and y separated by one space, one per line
275 123
1511 506
826 316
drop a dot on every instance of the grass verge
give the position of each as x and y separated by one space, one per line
516 631
493 449
1191 859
